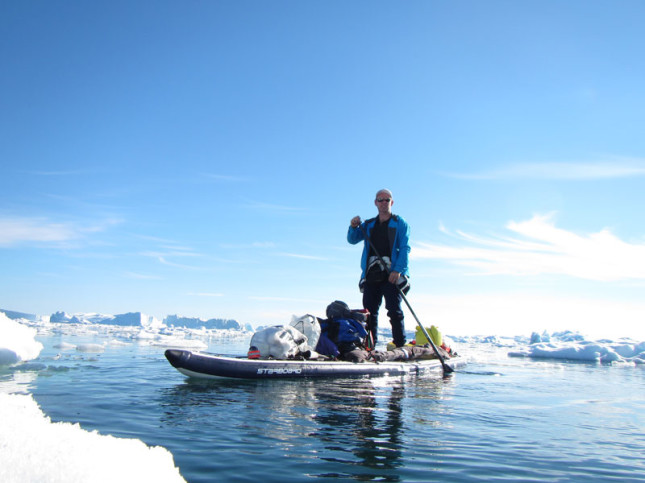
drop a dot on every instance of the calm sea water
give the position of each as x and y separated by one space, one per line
498 419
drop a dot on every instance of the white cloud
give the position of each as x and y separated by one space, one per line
164 261
304 257
538 247
248 245
613 168
273 208
174 251
170 253
20 230
141 276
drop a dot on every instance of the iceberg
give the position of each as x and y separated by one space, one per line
133 319
20 315
197 323
130 319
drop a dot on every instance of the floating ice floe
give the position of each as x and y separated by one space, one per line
117 343
170 342
573 346
65 346
90 348
33 448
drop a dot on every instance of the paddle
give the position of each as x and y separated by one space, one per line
446 368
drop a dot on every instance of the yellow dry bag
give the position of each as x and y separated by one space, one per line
434 334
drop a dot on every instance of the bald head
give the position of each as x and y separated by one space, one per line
384 193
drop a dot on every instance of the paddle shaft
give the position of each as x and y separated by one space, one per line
446 368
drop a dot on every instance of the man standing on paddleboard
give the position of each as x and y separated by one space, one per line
386 238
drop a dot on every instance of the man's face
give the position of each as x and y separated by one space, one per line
384 203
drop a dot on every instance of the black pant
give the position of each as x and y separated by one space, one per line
373 293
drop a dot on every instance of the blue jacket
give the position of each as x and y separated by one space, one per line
399 237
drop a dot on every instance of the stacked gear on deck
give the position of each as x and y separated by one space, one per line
342 335
309 337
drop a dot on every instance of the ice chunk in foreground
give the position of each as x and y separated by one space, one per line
17 342
32 448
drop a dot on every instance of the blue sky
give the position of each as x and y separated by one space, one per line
205 158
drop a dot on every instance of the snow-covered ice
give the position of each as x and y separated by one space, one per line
33 448
17 342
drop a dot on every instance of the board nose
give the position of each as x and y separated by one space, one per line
174 356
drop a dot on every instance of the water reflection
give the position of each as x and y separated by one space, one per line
349 428
362 425
13 381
